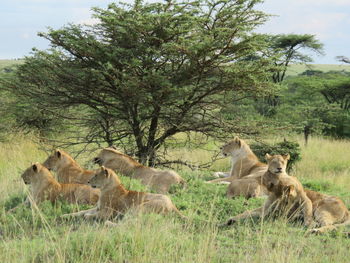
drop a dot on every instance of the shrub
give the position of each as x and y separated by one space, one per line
284 147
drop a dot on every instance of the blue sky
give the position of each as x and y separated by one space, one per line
20 20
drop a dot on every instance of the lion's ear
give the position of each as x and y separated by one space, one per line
286 156
105 171
35 167
238 141
58 153
268 157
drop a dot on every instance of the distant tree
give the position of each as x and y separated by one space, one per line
146 72
305 106
336 89
343 59
285 49
292 48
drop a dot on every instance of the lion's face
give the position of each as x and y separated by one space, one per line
277 164
231 147
55 160
101 178
32 173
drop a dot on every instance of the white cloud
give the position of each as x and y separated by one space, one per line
89 21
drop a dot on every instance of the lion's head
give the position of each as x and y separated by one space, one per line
103 177
106 155
56 160
277 164
35 173
232 147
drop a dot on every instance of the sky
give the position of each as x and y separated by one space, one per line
328 20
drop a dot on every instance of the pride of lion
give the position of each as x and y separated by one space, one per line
45 187
115 200
248 177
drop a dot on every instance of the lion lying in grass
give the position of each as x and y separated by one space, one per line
245 172
158 180
329 212
67 169
43 186
286 194
116 200
243 161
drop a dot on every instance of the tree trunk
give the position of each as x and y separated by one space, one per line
307 131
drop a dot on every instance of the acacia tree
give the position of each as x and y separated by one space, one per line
285 49
146 72
292 48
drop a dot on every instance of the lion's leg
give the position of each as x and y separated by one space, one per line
225 180
81 213
256 213
325 221
92 214
221 174
307 210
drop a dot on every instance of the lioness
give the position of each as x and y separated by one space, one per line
158 180
243 161
329 212
115 199
45 187
245 172
286 194
67 169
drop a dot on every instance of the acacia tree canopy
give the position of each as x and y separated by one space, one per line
146 72
292 48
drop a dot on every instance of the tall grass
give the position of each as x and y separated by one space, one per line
40 235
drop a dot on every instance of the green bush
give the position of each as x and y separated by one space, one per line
284 147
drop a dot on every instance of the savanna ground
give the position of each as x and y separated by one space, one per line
40 235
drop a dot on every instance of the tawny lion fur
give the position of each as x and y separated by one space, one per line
243 161
158 180
329 212
286 196
247 187
43 186
246 170
116 200
66 168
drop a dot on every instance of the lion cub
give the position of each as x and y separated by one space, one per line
67 169
116 200
45 187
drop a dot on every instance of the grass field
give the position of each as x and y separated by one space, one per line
296 69
39 235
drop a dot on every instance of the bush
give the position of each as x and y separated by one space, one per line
284 147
